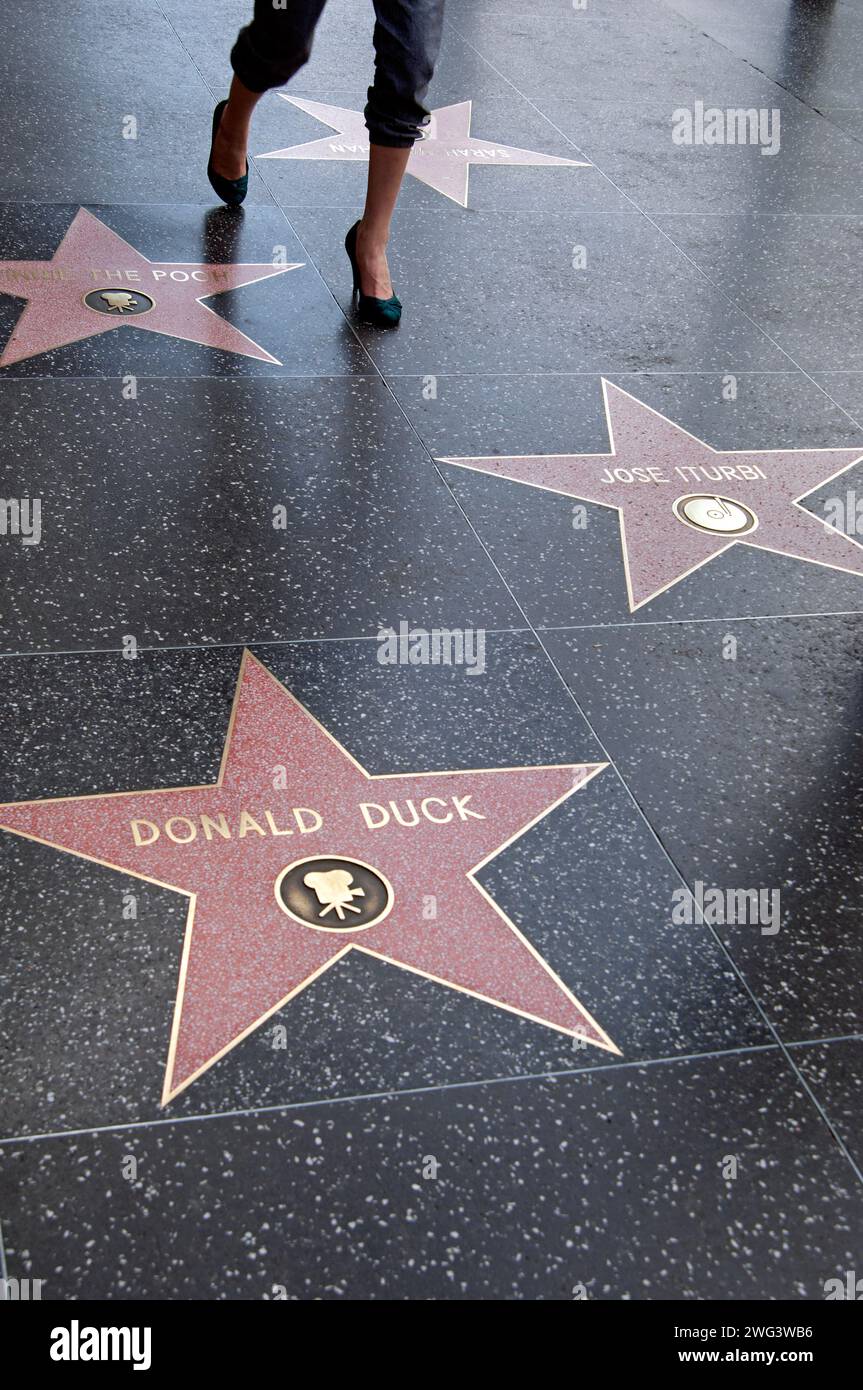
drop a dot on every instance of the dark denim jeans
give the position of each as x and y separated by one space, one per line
407 38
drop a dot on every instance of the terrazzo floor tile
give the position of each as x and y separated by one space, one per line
213 511
849 119
811 50
764 263
608 1187
833 1070
93 951
543 293
558 50
123 46
846 389
110 119
118 146
740 741
779 156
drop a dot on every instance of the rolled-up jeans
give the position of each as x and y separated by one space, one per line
407 38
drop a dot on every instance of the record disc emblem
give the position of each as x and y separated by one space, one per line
707 511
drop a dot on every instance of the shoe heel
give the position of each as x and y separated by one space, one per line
384 313
351 248
231 191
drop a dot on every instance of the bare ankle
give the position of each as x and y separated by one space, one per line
233 134
373 238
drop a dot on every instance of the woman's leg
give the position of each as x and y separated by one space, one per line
386 171
407 39
267 54
232 137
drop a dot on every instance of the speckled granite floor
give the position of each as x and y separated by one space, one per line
332 968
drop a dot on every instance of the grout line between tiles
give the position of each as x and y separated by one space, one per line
237 642
630 626
320 1102
819 1042
288 1107
697 622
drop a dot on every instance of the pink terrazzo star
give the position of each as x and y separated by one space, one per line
96 281
441 159
298 856
681 503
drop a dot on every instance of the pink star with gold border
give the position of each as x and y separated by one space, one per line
96 282
681 502
286 874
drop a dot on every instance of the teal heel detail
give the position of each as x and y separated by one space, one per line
385 313
231 191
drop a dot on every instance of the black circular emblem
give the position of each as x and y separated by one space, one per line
332 893
120 304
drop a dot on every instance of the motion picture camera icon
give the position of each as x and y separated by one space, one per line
118 301
333 894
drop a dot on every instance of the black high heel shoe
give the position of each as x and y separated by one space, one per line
383 312
231 191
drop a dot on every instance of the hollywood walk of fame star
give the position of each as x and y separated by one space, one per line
283 883
681 502
96 281
441 159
